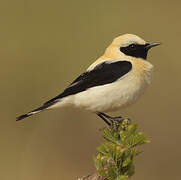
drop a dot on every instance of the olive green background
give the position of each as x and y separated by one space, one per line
44 45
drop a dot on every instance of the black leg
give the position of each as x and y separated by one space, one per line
111 120
109 117
118 119
104 119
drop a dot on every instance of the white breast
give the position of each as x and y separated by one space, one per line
119 94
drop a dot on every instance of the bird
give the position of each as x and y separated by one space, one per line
114 81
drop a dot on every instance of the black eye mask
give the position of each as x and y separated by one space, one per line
135 50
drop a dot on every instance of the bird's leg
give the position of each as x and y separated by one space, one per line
113 121
118 119
104 119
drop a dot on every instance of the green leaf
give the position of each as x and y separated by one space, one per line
103 148
136 139
97 163
109 135
132 128
126 161
122 178
103 173
112 171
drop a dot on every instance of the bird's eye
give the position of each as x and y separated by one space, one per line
132 46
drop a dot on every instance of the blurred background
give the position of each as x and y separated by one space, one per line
44 45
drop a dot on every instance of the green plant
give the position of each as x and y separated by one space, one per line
116 156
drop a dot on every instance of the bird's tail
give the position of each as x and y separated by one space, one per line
35 111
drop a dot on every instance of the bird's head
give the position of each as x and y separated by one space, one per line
129 46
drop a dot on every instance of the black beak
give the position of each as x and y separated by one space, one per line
150 45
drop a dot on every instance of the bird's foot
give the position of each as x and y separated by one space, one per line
113 122
117 122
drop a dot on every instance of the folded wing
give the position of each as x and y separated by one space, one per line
104 73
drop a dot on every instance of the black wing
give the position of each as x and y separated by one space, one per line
104 73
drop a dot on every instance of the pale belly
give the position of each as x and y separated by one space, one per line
113 96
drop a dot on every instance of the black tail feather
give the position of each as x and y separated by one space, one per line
35 111
22 116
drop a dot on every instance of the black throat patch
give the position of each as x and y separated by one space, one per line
135 50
